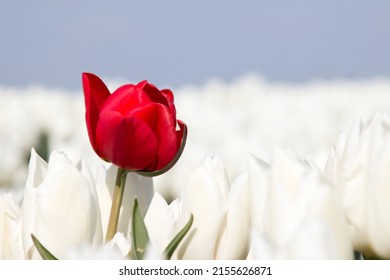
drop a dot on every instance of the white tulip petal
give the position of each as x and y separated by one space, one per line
378 205
362 175
299 192
153 253
284 208
119 244
105 189
312 241
117 249
261 248
259 182
215 166
161 222
62 211
11 246
234 242
203 198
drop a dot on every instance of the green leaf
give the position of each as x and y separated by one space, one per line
170 249
139 236
45 254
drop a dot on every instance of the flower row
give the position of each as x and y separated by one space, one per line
287 208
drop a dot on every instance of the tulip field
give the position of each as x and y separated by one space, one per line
260 170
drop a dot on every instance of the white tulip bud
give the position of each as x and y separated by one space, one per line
60 206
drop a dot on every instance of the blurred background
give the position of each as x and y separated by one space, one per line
174 43
248 76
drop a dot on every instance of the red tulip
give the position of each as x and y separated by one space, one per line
135 126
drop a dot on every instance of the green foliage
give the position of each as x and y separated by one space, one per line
178 238
139 236
45 254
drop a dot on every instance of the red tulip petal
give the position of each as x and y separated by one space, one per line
126 141
154 93
169 96
163 123
95 95
127 98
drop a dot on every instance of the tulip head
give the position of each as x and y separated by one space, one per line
135 126
359 165
299 202
60 206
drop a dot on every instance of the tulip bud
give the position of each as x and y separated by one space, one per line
234 241
60 206
204 197
220 228
162 222
297 194
134 127
359 165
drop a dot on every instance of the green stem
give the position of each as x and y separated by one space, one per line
116 203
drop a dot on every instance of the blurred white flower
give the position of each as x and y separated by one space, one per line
54 113
10 228
221 216
360 166
60 206
275 114
293 197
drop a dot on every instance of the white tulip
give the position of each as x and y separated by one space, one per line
297 194
360 166
220 228
60 206
204 197
162 222
233 243
10 228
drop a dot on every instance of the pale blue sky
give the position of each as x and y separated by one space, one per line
177 42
